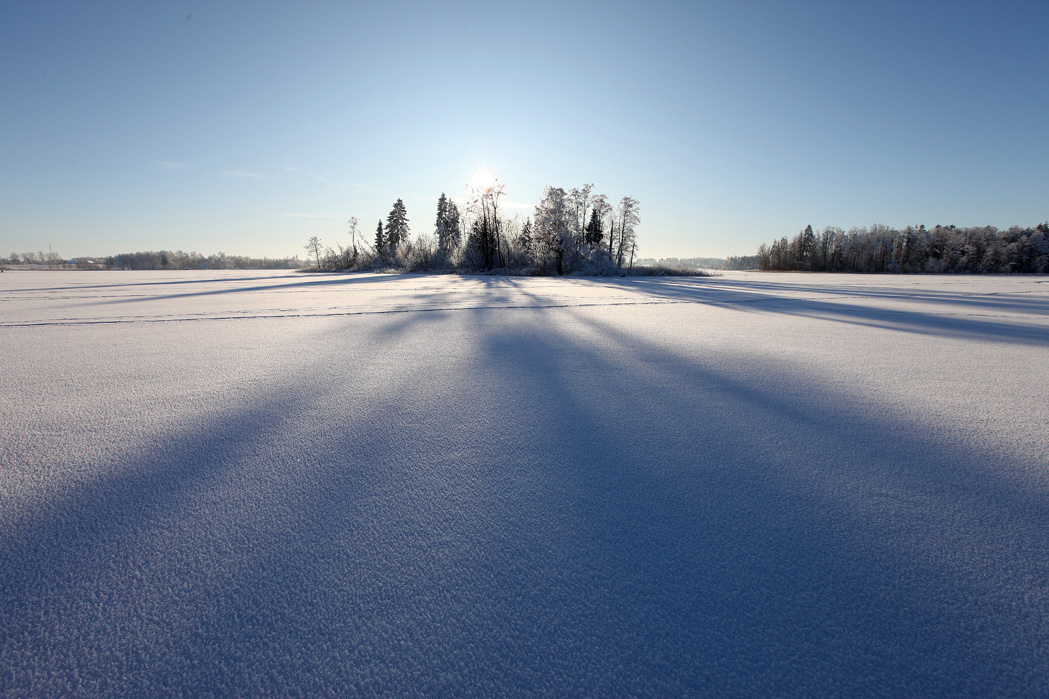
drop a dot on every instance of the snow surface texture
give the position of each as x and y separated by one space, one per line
756 484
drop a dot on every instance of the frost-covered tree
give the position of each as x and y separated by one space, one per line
396 227
447 225
441 222
314 247
629 216
941 249
485 225
554 226
453 226
581 199
603 209
526 241
353 234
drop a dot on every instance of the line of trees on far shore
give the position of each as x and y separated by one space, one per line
162 259
939 250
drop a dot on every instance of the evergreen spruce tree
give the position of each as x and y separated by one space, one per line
396 227
452 226
806 243
380 241
594 229
442 210
525 241
441 225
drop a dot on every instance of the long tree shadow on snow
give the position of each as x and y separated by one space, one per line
897 288
559 508
755 544
825 304
154 577
328 282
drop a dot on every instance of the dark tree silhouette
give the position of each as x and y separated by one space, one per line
380 241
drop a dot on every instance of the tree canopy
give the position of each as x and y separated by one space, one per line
941 249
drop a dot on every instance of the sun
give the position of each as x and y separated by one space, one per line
482 178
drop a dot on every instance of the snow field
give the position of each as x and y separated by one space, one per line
272 483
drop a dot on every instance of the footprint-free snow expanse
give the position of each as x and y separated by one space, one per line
271 483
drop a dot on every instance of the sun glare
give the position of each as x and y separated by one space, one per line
482 178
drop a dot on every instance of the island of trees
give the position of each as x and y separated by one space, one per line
576 230
939 250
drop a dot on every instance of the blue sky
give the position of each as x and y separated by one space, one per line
249 127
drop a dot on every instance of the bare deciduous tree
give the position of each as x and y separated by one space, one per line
314 247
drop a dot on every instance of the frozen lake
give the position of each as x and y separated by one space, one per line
756 484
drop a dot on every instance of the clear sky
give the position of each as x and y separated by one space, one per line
247 127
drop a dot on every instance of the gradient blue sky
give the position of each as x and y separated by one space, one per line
249 127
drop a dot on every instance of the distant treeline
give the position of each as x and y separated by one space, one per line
687 264
193 260
35 259
940 250
742 262
164 259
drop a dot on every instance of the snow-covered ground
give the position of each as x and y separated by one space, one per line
271 483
